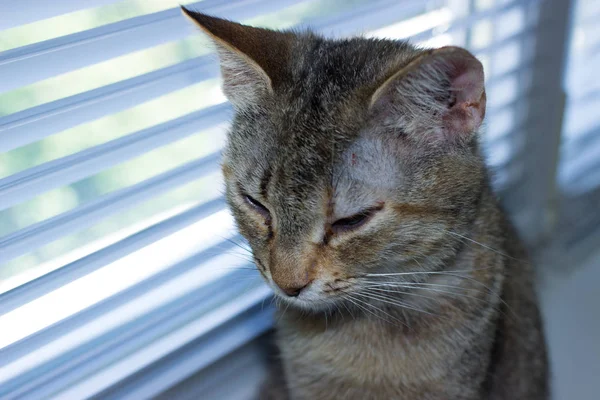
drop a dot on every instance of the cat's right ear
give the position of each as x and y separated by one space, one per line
253 60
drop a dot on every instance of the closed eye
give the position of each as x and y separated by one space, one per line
355 221
257 206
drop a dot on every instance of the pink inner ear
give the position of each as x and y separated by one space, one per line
468 111
468 86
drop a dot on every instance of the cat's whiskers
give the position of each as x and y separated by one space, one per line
361 305
347 309
282 313
413 284
393 301
436 300
239 268
237 255
487 288
455 274
411 292
274 299
246 253
394 289
417 261
463 237
239 245
430 272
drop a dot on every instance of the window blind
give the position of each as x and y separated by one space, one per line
579 178
120 270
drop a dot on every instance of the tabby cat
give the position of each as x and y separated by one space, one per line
353 170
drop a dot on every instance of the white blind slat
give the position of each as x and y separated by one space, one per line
88 264
21 13
27 126
67 53
19 187
86 215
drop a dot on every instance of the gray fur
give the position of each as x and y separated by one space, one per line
313 147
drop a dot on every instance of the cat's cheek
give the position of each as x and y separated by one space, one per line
252 228
356 251
261 264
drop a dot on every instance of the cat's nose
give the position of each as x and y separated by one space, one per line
293 291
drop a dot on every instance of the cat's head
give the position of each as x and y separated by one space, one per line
347 158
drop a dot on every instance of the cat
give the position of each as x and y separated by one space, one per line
353 170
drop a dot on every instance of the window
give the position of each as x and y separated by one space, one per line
579 168
118 258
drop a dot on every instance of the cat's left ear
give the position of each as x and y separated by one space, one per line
253 60
438 96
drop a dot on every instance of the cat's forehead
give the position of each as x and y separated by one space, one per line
296 143
304 162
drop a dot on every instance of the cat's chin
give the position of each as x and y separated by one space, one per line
309 306
312 303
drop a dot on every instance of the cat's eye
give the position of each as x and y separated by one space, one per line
257 206
353 222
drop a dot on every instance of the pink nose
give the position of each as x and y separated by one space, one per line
293 291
